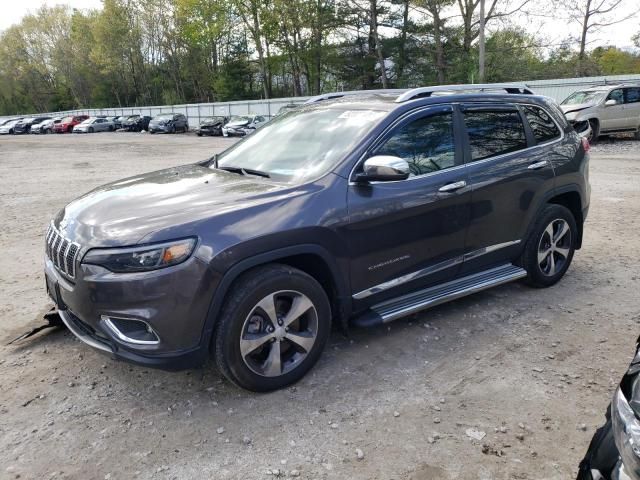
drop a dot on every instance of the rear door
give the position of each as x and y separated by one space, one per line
508 171
403 235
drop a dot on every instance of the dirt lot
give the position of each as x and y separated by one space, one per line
533 369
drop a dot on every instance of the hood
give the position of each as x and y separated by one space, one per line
124 212
211 123
576 107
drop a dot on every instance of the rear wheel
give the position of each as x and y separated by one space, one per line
550 247
272 328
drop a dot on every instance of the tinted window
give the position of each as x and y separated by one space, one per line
543 126
632 95
615 95
494 132
426 144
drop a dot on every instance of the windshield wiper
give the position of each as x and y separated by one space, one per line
244 171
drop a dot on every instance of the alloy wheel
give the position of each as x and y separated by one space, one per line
554 247
279 333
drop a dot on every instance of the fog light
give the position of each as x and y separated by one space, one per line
130 330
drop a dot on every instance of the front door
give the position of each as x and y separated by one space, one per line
403 235
612 116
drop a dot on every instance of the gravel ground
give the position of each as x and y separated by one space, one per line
528 373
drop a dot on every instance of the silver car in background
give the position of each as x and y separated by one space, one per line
94 124
603 110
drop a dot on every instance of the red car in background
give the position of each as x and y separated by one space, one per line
67 123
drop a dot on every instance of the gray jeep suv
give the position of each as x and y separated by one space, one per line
354 210
604 109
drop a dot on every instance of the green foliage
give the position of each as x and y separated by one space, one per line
179 51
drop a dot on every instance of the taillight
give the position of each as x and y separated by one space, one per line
585 144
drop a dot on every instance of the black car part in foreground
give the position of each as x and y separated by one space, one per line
614 451
354 209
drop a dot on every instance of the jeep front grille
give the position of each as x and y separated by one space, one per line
62 252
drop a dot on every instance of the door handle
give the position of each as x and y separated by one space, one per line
452 187
538 165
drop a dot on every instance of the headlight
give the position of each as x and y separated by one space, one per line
143 258
626 433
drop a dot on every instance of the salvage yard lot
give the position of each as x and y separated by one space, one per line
533 369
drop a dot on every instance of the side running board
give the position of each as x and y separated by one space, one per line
390 310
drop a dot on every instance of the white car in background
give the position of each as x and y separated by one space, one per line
7 127
241 125
45 126
603 110
94 124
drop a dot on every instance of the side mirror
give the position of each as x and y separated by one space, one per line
384 168
610 102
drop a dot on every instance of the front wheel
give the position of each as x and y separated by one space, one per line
550 247
272 329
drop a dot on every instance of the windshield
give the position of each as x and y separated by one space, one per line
238 120
88 121
164 116
302 144
589 96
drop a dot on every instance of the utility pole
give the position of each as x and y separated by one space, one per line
481 45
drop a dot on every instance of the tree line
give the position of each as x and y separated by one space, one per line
132 53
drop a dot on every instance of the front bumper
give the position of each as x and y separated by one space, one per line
161 128
619 472
173 301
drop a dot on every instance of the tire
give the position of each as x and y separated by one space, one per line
595 131
636 134
547 238
111 128
281 287
90 129
199 134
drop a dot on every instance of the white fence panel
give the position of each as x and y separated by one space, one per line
558 89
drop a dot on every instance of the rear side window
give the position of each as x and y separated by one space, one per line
426 144
494 132
632 95
542 125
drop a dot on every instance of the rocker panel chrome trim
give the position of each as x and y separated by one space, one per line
432 269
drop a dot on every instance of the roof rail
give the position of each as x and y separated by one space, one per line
333 95
422 92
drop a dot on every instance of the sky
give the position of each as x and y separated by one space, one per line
551 27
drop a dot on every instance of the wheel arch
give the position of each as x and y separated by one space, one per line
572 200
312 259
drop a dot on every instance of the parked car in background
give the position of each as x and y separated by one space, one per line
67 123
46 126
25 125
94 124
212 126
117 121
7 127
136 123
604 109
241 125
169 123
614 451
353 212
